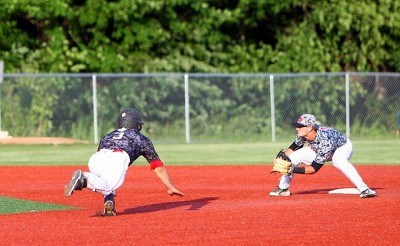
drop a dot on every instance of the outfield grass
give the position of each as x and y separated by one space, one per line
365 152
10 205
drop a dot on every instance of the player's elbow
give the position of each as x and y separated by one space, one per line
315 167
159 170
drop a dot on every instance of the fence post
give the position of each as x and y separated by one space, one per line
187 115
1 71
1 81
94 88
272 98
347 105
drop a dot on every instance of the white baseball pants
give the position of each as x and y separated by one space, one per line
107 170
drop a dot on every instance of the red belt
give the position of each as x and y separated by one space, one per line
118 150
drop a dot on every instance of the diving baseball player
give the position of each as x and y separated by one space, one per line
116 152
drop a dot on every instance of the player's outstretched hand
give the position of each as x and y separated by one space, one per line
174 191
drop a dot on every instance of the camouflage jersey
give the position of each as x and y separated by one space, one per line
132 142
326 142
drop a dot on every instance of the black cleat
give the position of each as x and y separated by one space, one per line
109 209
77 182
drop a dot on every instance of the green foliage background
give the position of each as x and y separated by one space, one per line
199 36
184 36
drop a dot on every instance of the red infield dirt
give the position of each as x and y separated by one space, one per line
223 205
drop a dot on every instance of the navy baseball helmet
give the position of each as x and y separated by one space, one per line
130 118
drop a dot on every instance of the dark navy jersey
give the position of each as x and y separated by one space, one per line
132 142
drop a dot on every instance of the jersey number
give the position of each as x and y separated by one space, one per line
118 136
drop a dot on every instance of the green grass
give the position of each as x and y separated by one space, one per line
365 152
45 154
11 206
376 151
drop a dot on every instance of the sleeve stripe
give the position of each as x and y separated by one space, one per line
156 163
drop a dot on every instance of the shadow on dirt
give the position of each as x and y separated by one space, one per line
193 205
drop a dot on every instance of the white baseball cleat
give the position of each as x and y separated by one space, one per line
279 192
367 193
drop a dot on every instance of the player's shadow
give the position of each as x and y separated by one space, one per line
192 204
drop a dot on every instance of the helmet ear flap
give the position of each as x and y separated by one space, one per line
139 127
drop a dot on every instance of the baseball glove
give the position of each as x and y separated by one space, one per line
283 156
282 164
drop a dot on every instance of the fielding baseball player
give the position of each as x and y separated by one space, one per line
313 146
118 150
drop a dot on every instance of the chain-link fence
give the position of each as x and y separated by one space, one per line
200 107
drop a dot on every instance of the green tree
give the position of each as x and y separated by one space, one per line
340 36
199 36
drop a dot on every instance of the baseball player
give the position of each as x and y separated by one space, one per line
313 146
116 152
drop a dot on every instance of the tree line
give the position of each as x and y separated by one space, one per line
225 36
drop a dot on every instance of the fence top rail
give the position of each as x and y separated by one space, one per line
13 75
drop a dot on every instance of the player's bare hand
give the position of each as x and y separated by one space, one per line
174 191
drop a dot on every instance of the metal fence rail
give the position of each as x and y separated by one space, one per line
200 107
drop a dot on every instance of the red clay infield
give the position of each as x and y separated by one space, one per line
223 205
